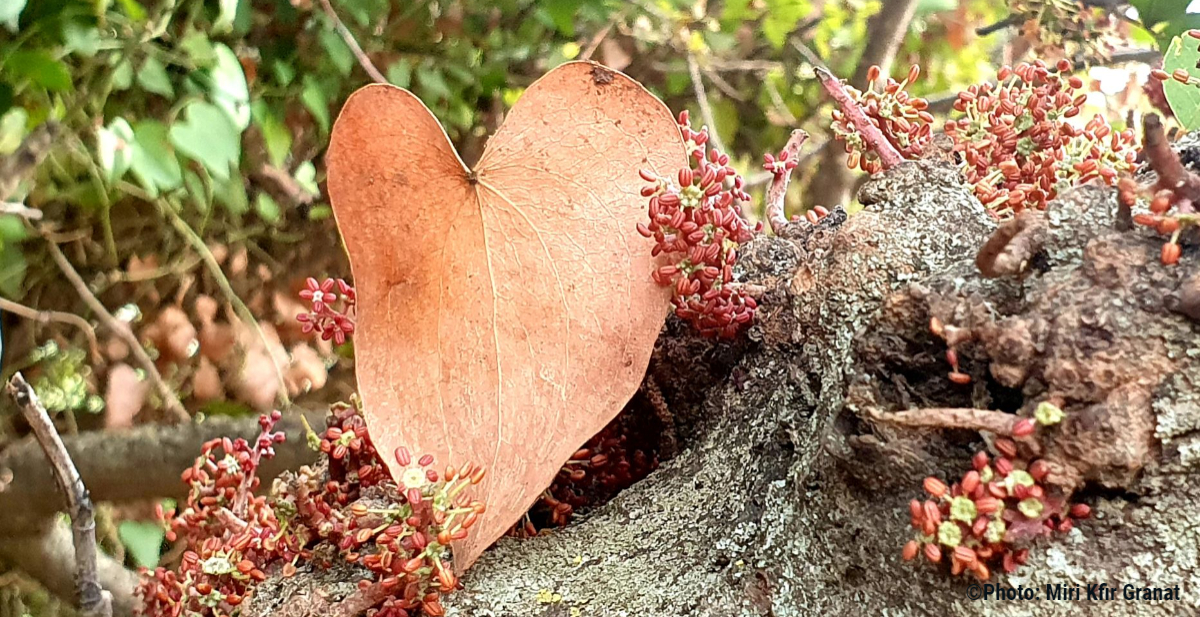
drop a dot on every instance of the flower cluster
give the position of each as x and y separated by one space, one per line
696 221
400 532
901 118
1017 146
609 462
980 523
231 535
331 315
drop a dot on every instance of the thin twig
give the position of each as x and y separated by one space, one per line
93 600
358 52
706 112
33 314
1011 20
870 133
996 422
20 210
593 44
170 402
239 307
779 185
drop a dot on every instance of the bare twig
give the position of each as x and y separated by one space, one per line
779 185
593 44
170 402
358 52
1011 20
20 210
93 600
239 307
870 133
285 184
702 100
33 314
996 422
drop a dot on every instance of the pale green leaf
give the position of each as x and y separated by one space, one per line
1183 98
153 77
114 148
337 51
10 13
153 161
143 540
267 208
207 136
228 88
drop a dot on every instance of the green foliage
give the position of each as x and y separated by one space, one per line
1166 19
62 383
143 540
1183 53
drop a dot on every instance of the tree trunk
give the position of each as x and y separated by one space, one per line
787 498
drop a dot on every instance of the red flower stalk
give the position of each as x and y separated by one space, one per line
882 128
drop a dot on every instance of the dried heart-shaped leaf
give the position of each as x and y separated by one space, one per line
505 314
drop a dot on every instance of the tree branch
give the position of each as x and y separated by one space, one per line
867 129
171 402
153 454
92 599
996 422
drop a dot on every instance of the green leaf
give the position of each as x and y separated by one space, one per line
153 78
12 271
10 13
336 50
79 39
313 97
40 68
275 133
1183 98
114 148
143 540
267 208
306 177
228 11
232 195
14 126
562 14
228 88
925 7
1167 19
198 49
400 73
781 17
153 161
122 76
133 10
208 137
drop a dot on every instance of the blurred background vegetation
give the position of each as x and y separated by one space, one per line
162 159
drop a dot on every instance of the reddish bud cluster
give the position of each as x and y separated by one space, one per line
978 523
609 462
1170 215
1018 148
901 118
332 316
231 535
401 533
696 221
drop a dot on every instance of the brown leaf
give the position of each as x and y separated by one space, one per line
505 314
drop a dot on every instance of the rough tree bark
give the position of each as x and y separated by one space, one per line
786 499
